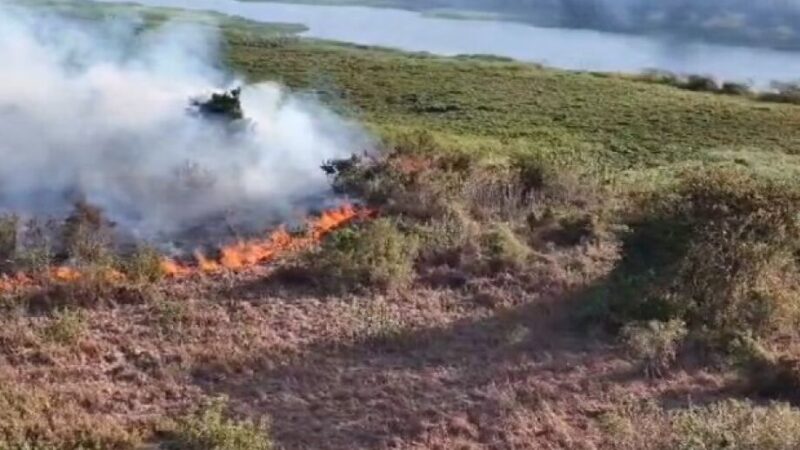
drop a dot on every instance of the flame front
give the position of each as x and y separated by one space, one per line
237 256
243 254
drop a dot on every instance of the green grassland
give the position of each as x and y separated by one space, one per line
154 16
490 105
487 106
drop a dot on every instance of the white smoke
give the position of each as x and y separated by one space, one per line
98 111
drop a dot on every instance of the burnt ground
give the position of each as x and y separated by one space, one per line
492 366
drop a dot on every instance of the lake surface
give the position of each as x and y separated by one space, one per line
557 47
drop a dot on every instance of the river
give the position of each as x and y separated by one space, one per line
557 47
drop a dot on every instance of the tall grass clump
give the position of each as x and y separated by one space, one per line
717 252
143 266
737 425
376 254
210 429
729 424
654 343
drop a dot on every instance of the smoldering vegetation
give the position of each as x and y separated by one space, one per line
111 114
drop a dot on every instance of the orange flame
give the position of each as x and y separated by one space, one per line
65 273
237 256
252 252
16 281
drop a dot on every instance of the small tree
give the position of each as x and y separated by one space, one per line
226 106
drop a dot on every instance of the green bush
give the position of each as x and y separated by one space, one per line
654 343
9 227
374 255
86 236
733 88
701 83
504 250
144 265
716 252
35 252
209 429
782 93
737 425
726 425
658 76
66 326
35 419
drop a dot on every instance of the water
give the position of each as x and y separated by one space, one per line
558 47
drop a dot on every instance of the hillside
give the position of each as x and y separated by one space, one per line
541 259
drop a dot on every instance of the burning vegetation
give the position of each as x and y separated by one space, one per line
39 252
84 249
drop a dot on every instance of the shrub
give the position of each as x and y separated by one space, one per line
737 425
226 106
636 425
476 216
373 322
660 77
717 253
34 247
171 316
9 227
144 265
375 254
730 424
447 239
65 327
92 286
733 88
503 248
209 429
654 343
782 93
701 83
34 419
86 235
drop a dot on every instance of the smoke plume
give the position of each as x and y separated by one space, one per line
99 112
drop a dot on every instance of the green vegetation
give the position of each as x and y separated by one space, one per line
715 252
149 17
209 429
654 343
496 108
731 424
65 327
378 255
143 265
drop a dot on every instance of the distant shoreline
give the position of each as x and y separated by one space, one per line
746 37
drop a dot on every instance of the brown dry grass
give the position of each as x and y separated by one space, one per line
492 364
477 348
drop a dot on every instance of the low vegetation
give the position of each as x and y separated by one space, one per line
715 252
209 429
779 92
742 425
377 255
